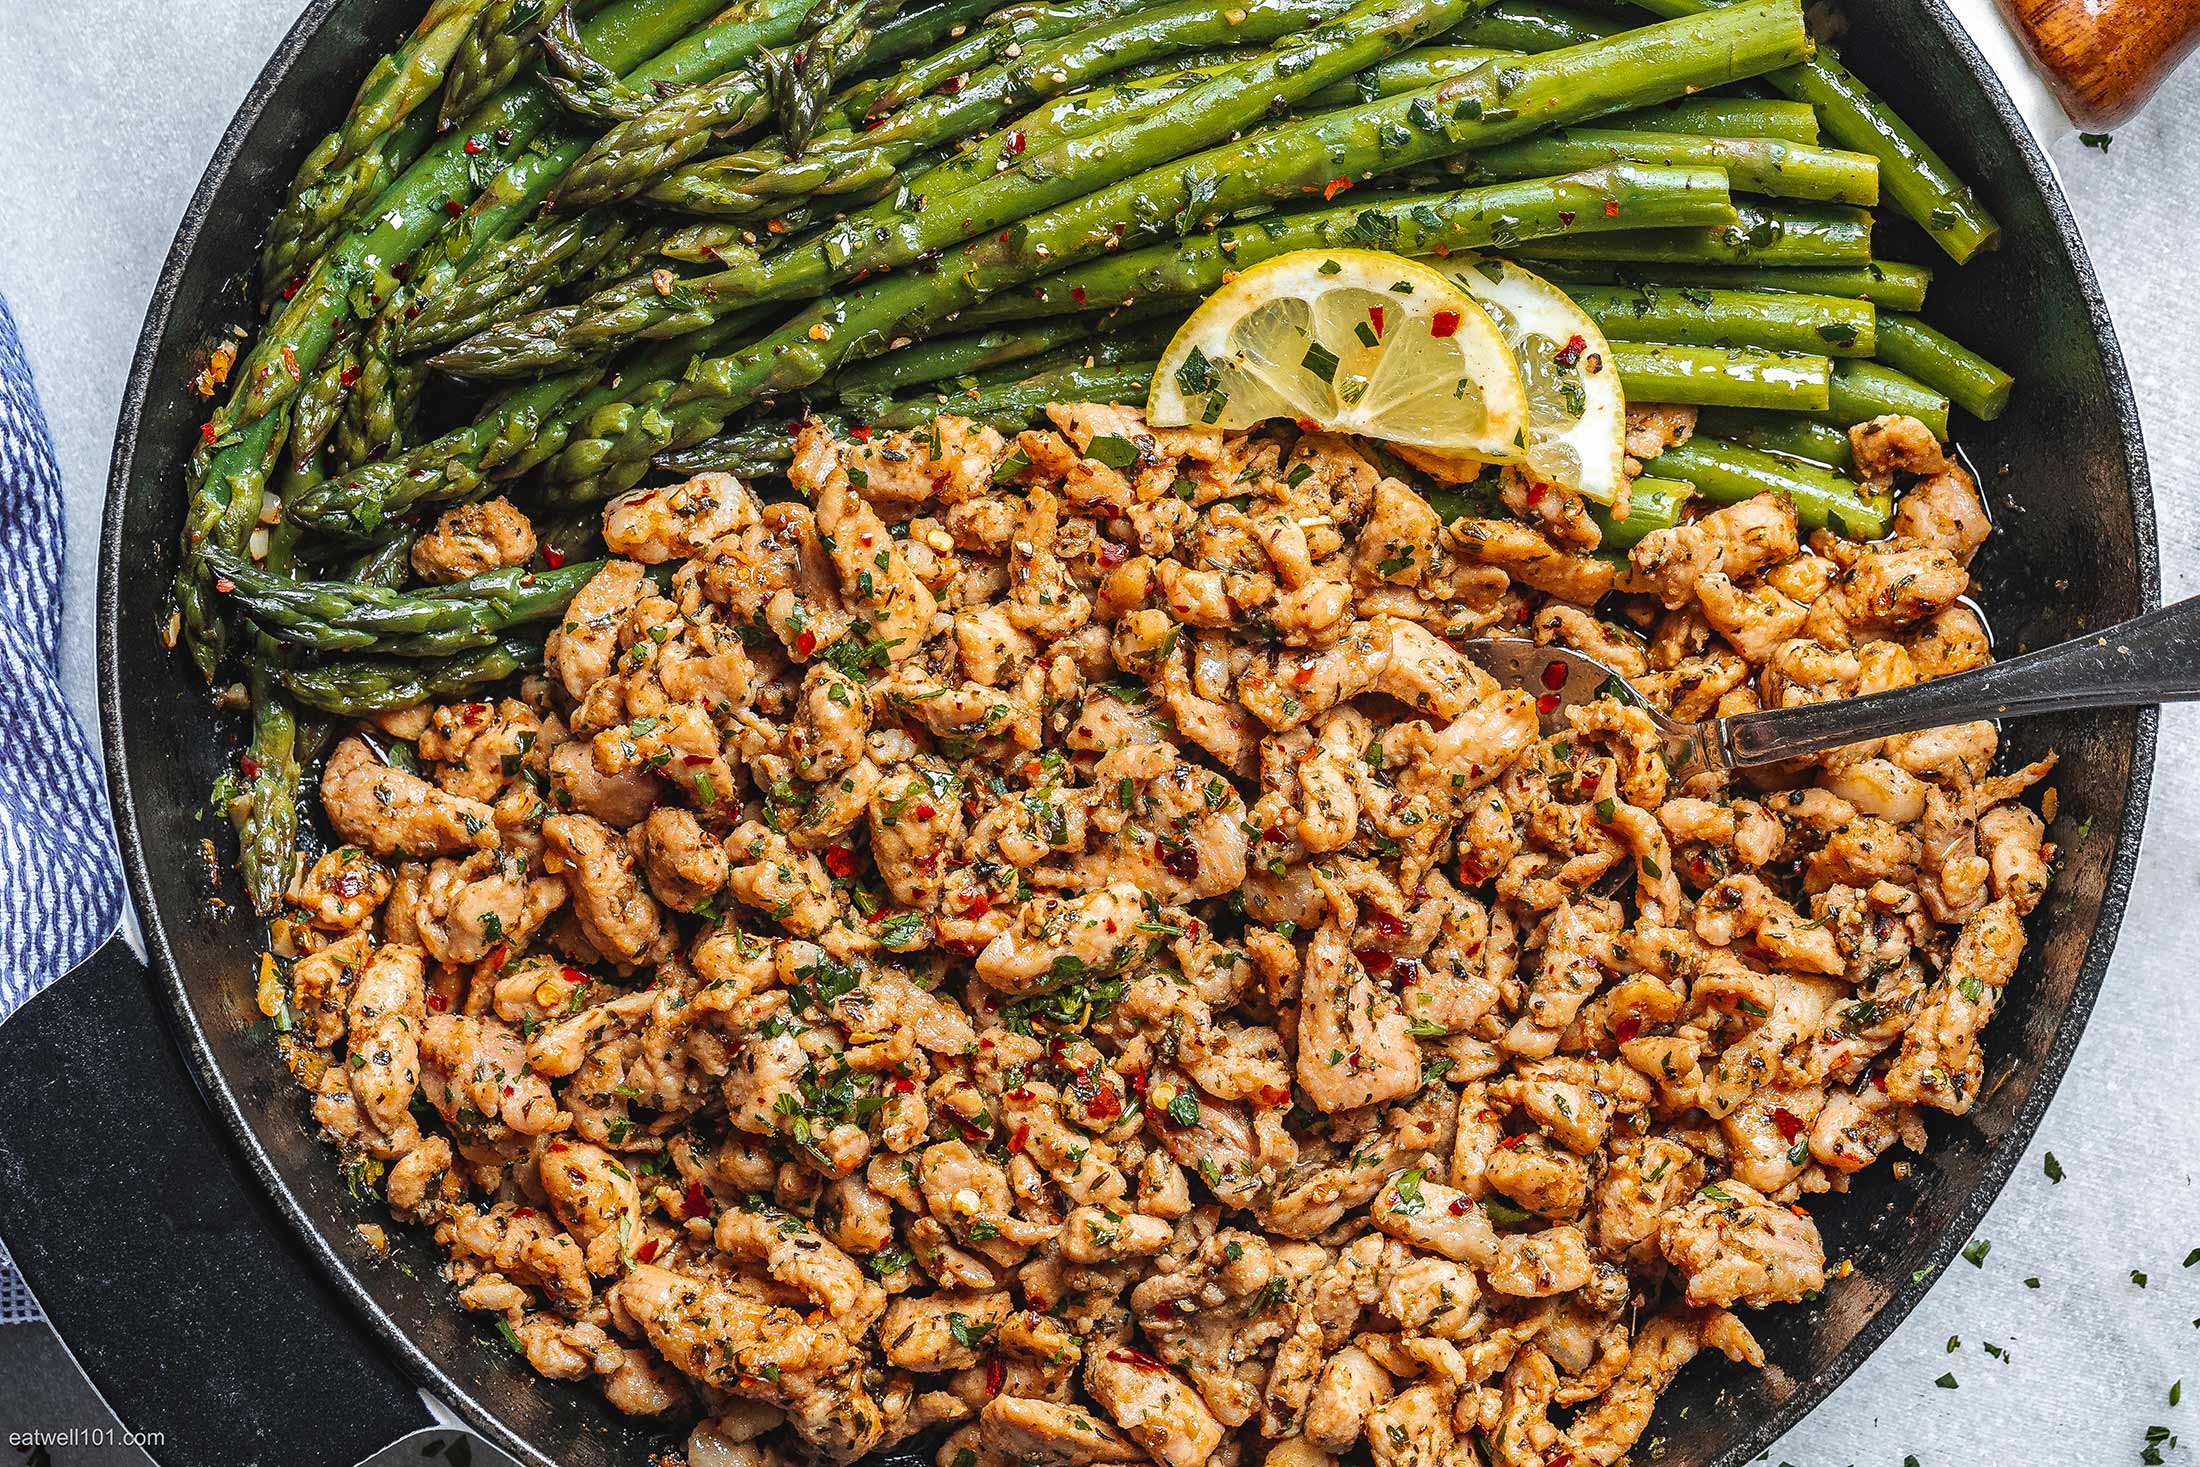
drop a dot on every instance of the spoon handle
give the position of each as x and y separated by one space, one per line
2153 658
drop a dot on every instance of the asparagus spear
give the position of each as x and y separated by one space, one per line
340 178
1019 405
1814 235
1861 391
1775 432
801 78
1885 283
354 687
388 562
1727 473
267 835
1732 117
1945 365
242 439
1492 104
1772 320
1652 504
351 616
1753 165
1007 31
490 56
1722 376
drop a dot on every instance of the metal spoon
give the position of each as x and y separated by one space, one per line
2150 659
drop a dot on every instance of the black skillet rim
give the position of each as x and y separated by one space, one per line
2100 946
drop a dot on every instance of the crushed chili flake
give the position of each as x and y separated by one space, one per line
1334 187
249 766
437 1003
804 644
1571 352
840 860
1077 294
1611 208
552 557
1787 1123
1627 1028
1547 704
1375 316
1444 324
697 1202
1554 675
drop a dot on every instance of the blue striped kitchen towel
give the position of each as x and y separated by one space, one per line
60 875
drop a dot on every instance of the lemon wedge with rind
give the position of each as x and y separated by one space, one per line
1577 412
1348 341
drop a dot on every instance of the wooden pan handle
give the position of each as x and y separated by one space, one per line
2104 58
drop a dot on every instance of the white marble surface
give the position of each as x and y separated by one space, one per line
114 107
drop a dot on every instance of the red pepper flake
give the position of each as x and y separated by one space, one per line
861 432
1554 675
647 1253
903 1085
697 1202
1374 959
1019 1139
805 644
840 860
1547 704
473 146
1627 1028
1077 294
1113 554
1139 1082
224 585
1375 315
437 1003
952 85
1512 1143
453 208
1444 323
1106 1105
1274 1095
1164 1311
1611 208
1566 217
1571 352
979 906
519 1212
1459 1207
1334 187
1308 425
1304 674
1563 1459
249 765
1537 493
206 434
1015 143
553 557
995 1374
293 286
1387 923
1787 1123
1879 1080
348 376
1139 1358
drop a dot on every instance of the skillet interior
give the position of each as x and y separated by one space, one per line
2065 474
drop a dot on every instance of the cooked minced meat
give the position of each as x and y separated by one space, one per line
1051 943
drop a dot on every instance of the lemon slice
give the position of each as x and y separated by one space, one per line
1351 341
1577 414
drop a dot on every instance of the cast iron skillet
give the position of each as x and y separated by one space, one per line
161 1188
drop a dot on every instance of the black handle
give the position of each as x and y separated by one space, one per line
2150 659
165 1268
